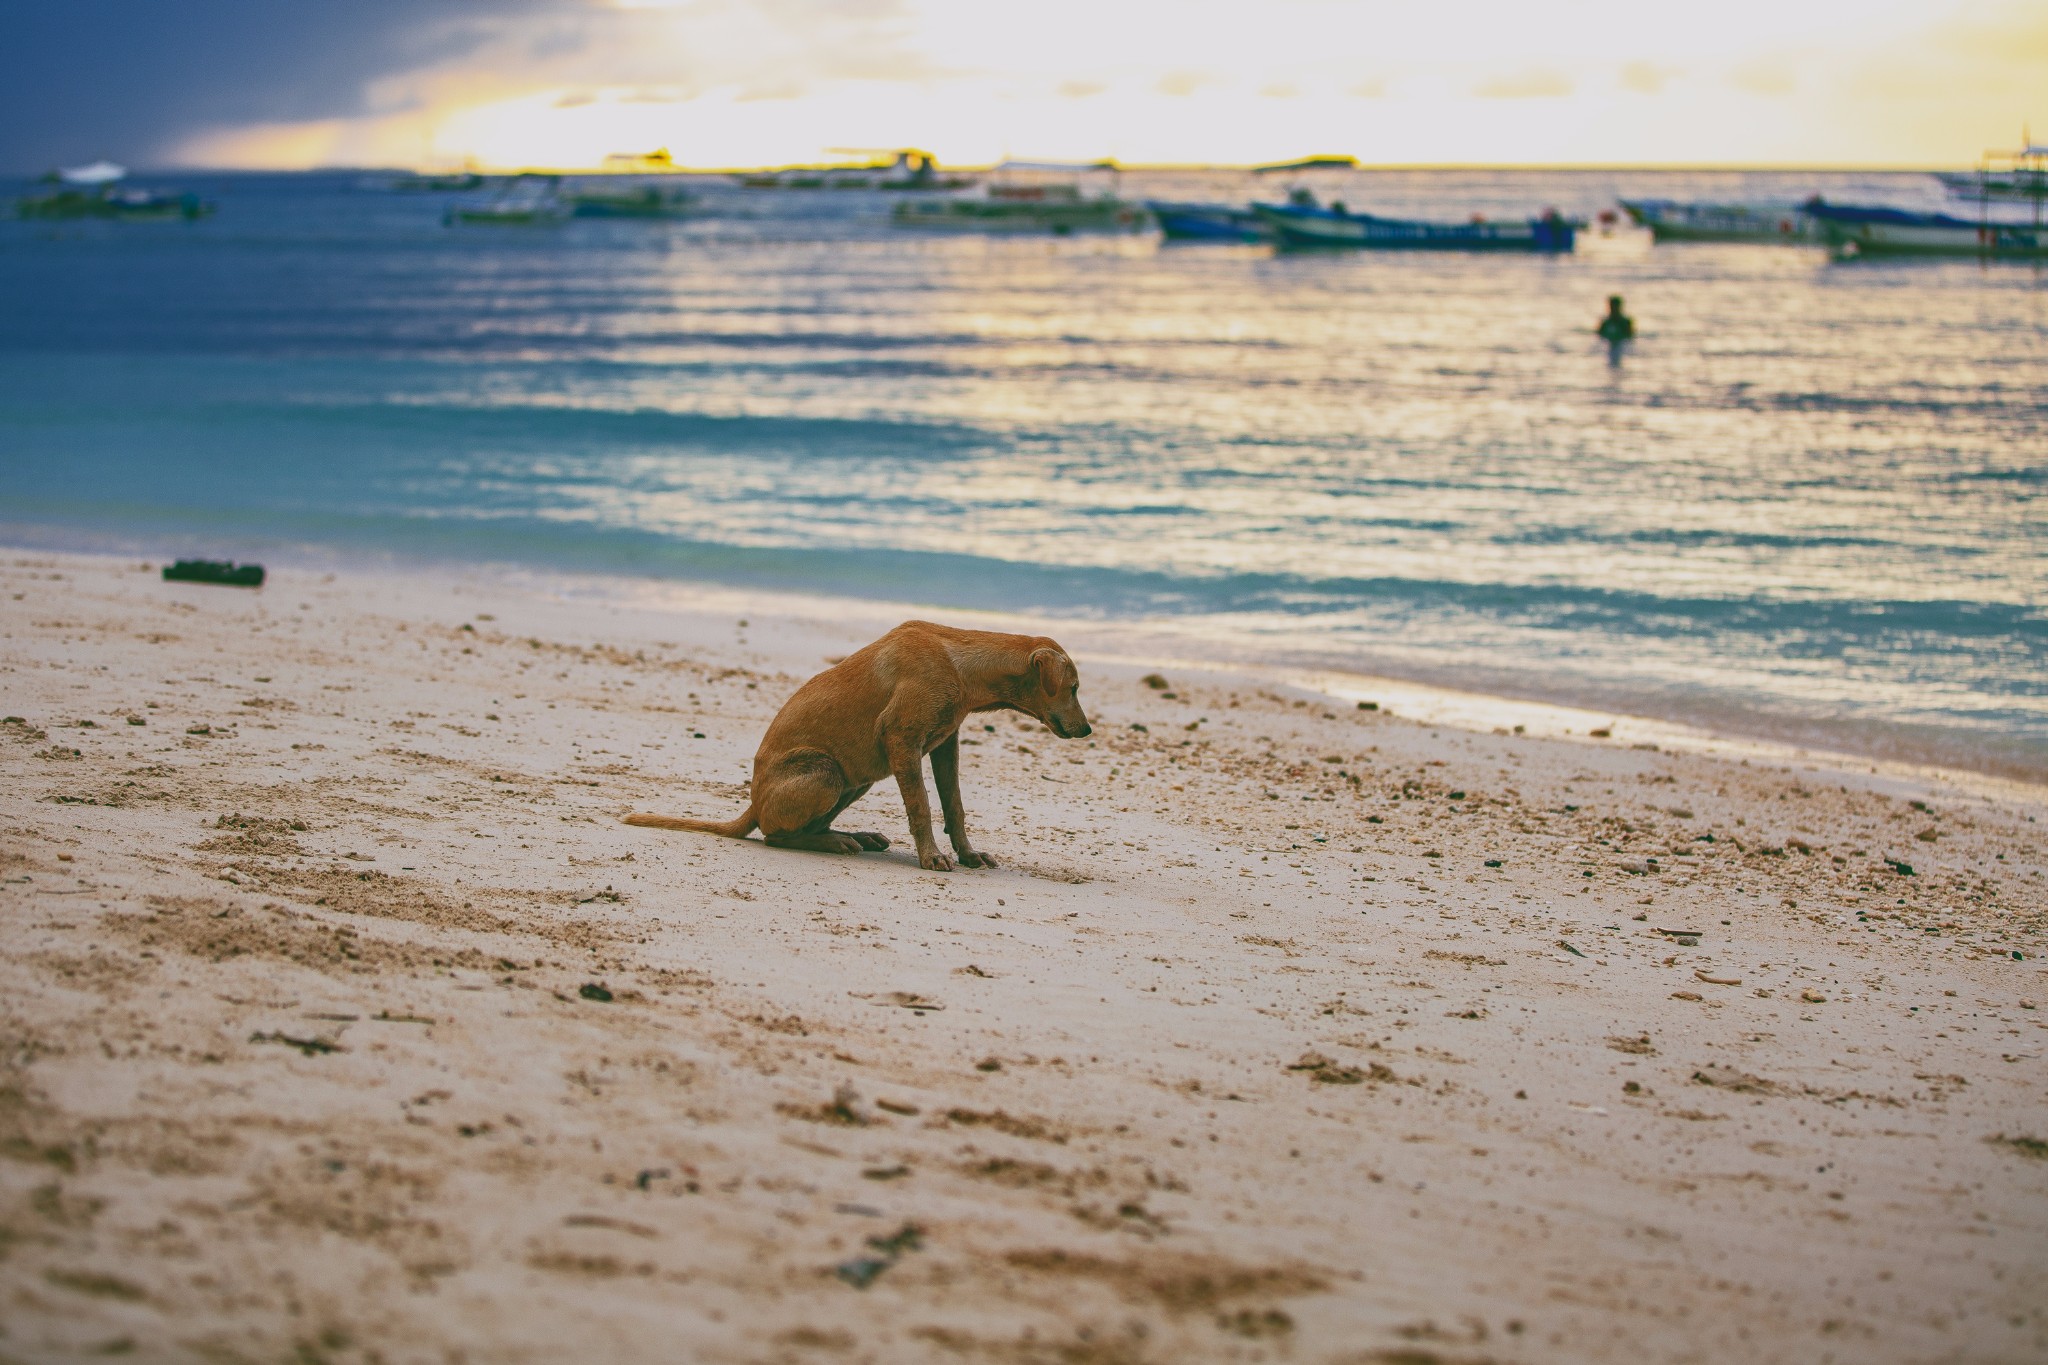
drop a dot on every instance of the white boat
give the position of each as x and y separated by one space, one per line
95 173
1031 204
907 170
1860 230
1998 186
2019 177
1304 223
1058 209
525 201
1671 221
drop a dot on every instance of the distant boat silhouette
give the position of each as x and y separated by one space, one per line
1304 223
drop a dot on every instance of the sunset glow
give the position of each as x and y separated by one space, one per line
721 84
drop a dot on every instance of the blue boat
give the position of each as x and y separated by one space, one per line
1308 224
1181 222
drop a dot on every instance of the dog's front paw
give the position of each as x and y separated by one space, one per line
970 858
935 862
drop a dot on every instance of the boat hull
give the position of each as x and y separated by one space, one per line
1319 227
1054 216
1721 222
649 203
642 211
437 184
133 206
1208 223
526 201
887 184
2019 187
1891 232
505 218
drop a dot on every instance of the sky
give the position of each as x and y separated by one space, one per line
508 83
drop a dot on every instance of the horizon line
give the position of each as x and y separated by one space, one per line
1107 165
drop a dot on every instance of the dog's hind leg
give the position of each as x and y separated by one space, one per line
829 841
872 842
796 800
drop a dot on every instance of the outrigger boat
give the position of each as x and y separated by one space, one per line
1855 230
1308 224
2019 177
2019 186
907 171
525 201
647 201
454 182
110 202
1057 207
918 172
1180 222
1669 221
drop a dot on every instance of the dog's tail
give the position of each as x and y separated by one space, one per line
738 828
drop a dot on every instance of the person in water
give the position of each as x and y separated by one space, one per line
1617 326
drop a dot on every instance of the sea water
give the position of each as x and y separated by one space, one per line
1807 500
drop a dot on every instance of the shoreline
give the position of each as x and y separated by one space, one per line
1557 705
345 1018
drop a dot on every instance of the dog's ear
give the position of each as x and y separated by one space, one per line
1051 667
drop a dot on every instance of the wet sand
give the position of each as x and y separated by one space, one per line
343 1021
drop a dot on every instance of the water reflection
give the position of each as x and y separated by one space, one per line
1810 487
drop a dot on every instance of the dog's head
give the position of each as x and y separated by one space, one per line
1055 694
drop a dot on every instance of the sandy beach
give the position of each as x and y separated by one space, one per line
343 1020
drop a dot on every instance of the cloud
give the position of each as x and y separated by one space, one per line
2014 34
1539 83
1768 76
1178 83
133 78
1646 78
514 82
588 62
1993 50
309 142
1960 86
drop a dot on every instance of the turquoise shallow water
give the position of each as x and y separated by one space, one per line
1808 501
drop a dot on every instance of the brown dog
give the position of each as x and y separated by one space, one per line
880 711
